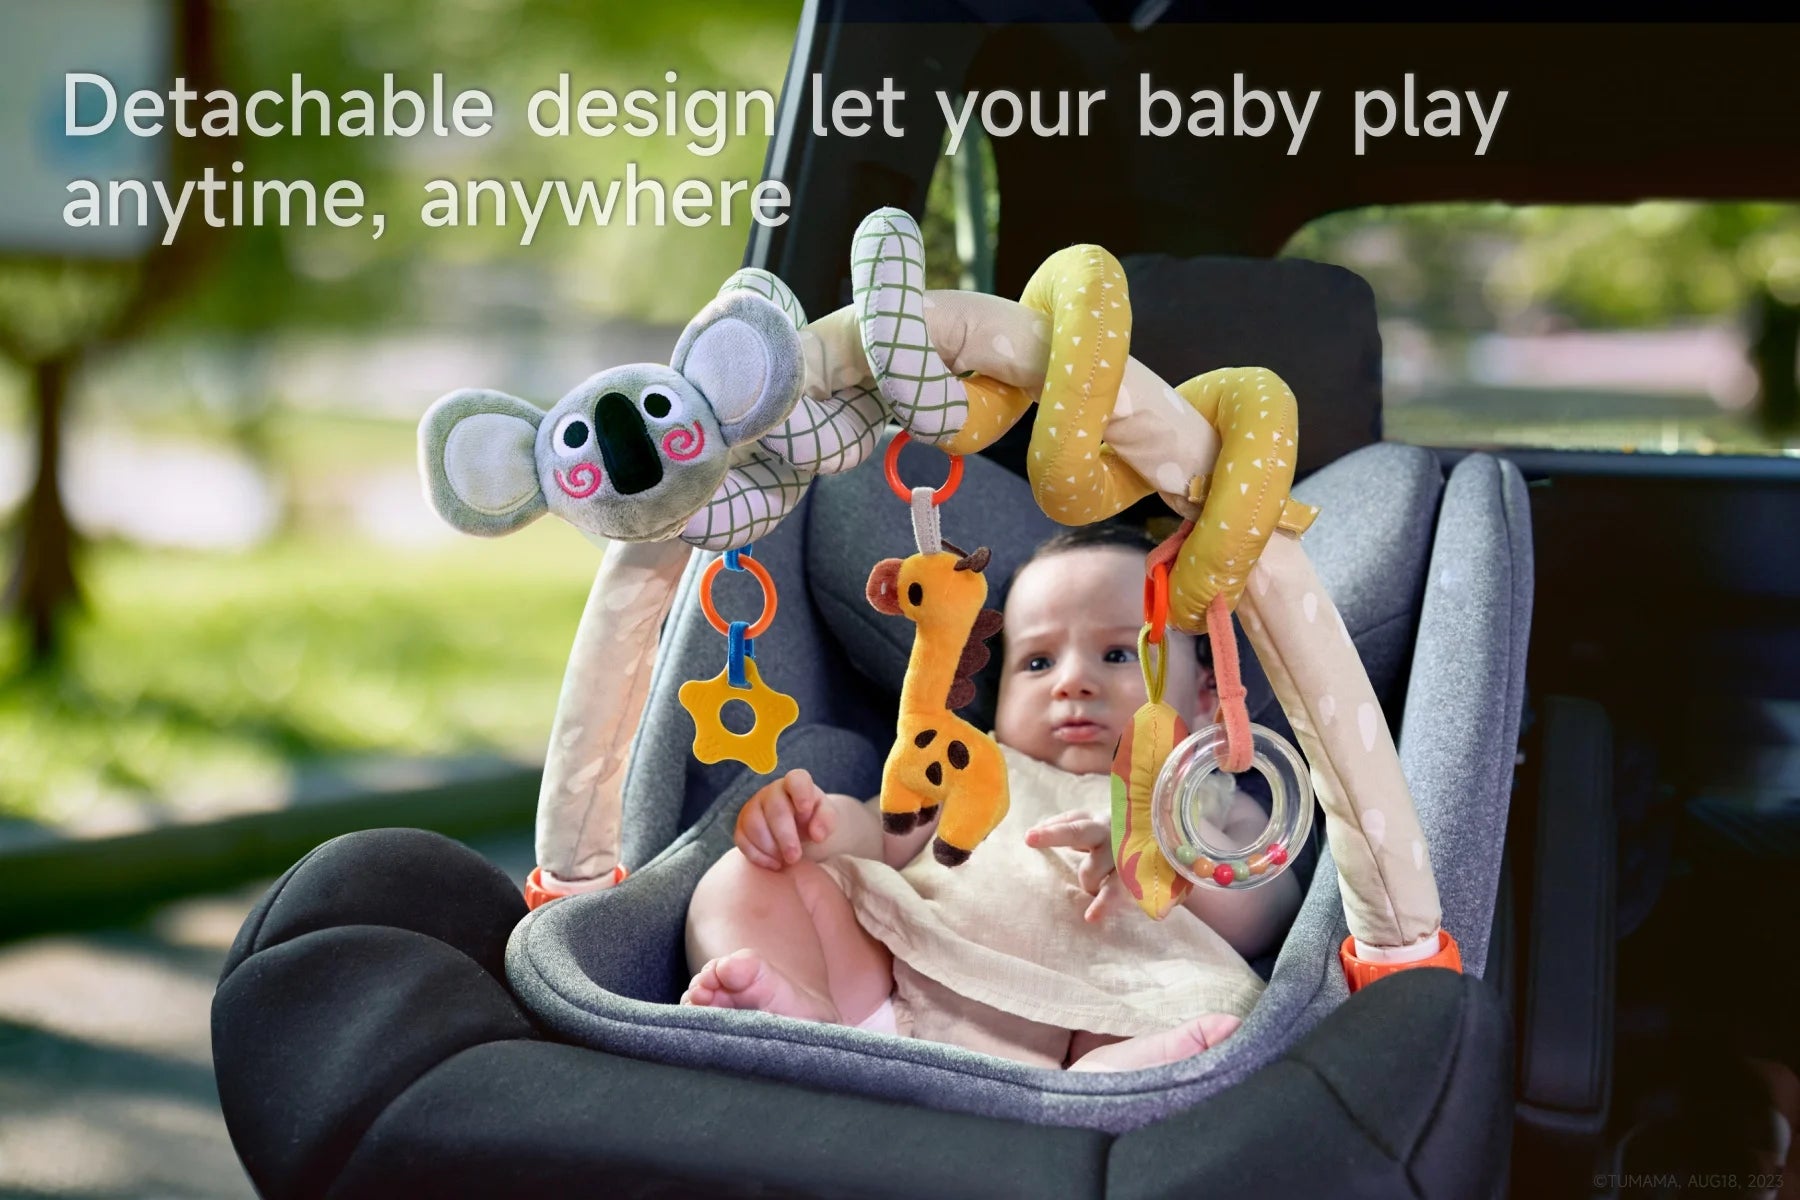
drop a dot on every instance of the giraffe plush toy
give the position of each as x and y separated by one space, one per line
940 760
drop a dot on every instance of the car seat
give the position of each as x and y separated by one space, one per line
386 1016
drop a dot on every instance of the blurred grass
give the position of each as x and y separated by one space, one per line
1441 427
304 443
1576 419
191 673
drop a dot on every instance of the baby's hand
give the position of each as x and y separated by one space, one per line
772 824
1086 832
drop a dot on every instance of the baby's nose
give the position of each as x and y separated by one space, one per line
1074 682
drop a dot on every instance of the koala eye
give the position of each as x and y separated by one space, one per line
658 405
572 435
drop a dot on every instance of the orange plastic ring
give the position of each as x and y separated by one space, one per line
768 590
892 464
1156 601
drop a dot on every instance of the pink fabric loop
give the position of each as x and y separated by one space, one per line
1166 553
1233 714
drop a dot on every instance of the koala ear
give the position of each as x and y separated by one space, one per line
478 454
744 355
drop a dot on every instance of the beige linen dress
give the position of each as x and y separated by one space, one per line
995 955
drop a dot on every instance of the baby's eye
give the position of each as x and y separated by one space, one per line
1037 662
1120 654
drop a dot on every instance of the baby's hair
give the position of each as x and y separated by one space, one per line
1122 534
1101 533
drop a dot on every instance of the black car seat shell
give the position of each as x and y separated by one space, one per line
1433 578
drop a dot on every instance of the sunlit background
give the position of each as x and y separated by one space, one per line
234 582
253 585
221 588
1661 327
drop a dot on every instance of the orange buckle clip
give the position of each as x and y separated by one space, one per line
537 892
1358 973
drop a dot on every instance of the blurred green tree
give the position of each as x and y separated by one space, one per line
322 277
1667 260
269 280
52 311
1468 268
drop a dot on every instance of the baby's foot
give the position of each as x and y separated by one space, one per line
745 980
1155 1049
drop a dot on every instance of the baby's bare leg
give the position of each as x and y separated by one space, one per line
1152 1049
785 942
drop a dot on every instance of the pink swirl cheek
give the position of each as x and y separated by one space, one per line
582 481
683 444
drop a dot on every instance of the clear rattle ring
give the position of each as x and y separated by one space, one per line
1193 790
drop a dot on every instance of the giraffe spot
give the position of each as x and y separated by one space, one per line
924 738
935 773
958 754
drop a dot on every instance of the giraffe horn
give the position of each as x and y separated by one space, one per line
977 561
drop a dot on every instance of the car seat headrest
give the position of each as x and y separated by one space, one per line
855 521
1370 546
1311 323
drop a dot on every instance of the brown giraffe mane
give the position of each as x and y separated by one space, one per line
975 656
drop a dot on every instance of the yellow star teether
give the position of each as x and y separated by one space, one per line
773 712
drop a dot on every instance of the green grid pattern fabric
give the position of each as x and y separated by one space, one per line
822 437
887 272
831 435
759 490
769 287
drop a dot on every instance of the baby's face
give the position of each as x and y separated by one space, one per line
1070 678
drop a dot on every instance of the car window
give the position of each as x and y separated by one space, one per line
1659 327
962 217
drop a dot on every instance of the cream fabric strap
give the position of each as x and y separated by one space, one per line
604 691
1390 894
1388 955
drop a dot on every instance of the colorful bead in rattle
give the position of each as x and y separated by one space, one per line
1194 784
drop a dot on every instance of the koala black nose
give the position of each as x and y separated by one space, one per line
630 456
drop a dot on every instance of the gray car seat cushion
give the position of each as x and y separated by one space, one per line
603 969
1460 731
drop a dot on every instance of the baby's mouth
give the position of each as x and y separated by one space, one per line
1078 731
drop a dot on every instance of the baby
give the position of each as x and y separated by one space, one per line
1032 949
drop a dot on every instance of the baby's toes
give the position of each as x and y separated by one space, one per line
704 988
742 974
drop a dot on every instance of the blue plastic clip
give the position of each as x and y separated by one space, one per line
740 649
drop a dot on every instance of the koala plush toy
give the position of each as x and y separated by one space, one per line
631 453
